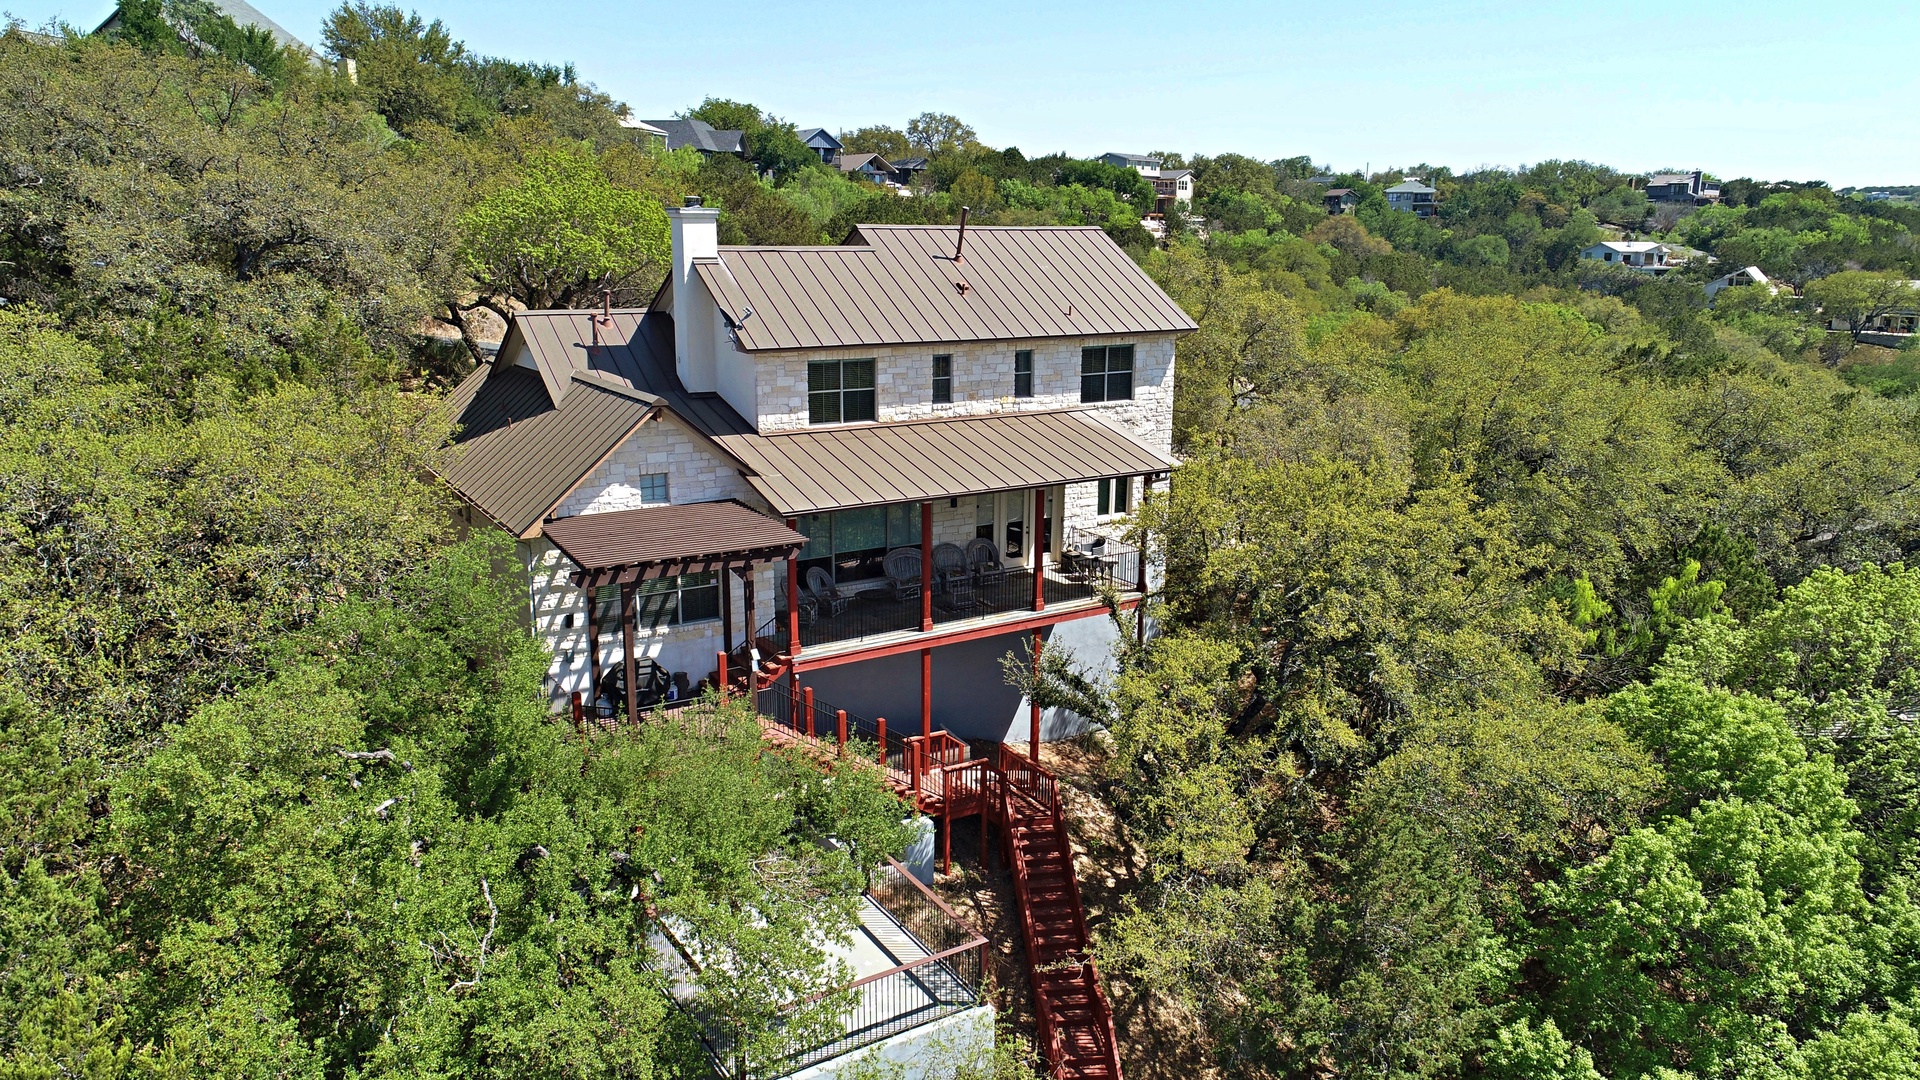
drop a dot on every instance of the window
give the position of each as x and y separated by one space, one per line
942 380
667 601
849 544
839 391
1023 373
653 488
1113 496
983 516
1106 373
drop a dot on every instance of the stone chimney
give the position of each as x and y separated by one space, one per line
696 235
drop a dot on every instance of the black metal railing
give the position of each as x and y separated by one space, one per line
940 972
875 612
1092 557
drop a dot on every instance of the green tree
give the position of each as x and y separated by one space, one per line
560 234
1858 297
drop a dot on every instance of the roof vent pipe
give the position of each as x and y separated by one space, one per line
960 247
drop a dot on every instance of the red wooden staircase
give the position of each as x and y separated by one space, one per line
1023 800
1076 1023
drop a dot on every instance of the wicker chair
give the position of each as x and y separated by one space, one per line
950 566
983 561
902 566
820 584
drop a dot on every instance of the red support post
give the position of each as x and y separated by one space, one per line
720 674
1038 526
808 693
926 693
840 718
881 724
1033 705
579 712
946 843
926 565
793 597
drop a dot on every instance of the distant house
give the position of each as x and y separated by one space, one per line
1891 328
1341 200
1746 275
822 142
1643 256
869 167
1692 188
242 13
1171 187
702 136
1413 196
1323 179
1140 163
906 169
648 135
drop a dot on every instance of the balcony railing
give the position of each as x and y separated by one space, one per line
940 971
1088 562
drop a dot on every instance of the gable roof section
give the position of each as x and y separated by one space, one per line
851 162
528 435
517 454
819 138
898 284
1410 187
812 470
700 135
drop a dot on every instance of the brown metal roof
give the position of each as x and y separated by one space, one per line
636 351
898 284
656 541
804 472
516 454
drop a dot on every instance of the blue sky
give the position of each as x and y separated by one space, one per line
1761 88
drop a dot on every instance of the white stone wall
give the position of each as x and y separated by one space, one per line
982 382
560 624
695 472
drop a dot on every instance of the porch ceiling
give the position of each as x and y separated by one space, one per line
808 471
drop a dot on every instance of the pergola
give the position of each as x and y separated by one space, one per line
627 547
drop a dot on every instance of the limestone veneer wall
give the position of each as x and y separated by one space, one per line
982 382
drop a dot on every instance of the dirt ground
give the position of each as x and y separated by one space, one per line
1159 1040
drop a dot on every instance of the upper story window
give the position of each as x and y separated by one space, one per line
1106 373
942 379
1114 496
653 488
839 391
1023 373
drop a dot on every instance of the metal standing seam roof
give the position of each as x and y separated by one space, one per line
808 471
656 541
517 454
898 284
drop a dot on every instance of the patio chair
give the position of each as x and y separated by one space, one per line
983 561
902 567
820 584
949 565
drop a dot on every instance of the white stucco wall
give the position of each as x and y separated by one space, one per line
982 382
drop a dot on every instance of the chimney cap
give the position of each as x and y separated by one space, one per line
693 200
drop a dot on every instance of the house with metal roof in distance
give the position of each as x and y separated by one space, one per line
1692 188
1642 256
822 142
869 167
1341 200
1414 196
1171 187
905 169
702 136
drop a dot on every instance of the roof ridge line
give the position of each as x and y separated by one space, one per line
614 386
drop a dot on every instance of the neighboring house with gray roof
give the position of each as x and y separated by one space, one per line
1692 188
702 136
822 142
869 167
1414 196
993 404
242 13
